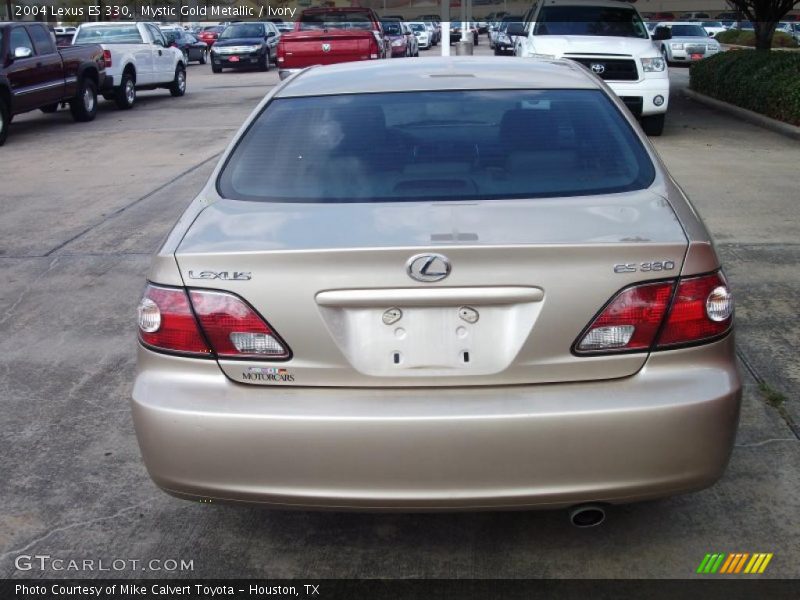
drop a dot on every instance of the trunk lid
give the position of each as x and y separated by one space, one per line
526 278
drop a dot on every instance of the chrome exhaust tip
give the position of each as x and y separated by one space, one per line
587 515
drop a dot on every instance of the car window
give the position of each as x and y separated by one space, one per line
590 20
118 34
242 31
41 39
20 39
448 145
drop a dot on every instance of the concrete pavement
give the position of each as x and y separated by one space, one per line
84 205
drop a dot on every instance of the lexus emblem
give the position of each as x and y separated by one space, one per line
428 267
598 68
326 47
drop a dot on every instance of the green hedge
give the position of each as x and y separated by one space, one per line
739 37
762 81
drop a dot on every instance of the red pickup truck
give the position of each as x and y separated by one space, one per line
326 36
34 73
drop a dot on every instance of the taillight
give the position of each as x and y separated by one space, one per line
234 329
166 322
700 309
629 322
205 323
107 58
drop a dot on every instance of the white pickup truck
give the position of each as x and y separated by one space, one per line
137 57
609 38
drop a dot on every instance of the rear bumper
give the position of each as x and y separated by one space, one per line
668 429
647 90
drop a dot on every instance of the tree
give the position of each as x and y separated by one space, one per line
764 15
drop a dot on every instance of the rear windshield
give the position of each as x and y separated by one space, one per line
590 20
336 20
453 145
121 34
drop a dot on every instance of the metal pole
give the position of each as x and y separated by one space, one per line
445 24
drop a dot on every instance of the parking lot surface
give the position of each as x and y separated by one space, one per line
84 206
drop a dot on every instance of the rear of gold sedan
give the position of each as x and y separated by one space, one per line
389 314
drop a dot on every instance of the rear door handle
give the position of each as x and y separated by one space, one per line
38 65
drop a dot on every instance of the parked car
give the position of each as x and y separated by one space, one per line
246 45
210 33
63 35
689 43
35 73
713 27
502 42
694 16
435 32
455 32
192 48
137 58
743 26
411 40
581 354
662 16
610 39
332 35
422 33
396 36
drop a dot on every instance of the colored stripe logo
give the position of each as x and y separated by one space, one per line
735 563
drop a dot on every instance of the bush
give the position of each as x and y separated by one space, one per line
739 37
765 82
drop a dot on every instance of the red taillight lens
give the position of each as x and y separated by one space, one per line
234 329
166 322
629 322
107 58
702 309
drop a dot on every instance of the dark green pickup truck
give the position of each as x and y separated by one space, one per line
34 73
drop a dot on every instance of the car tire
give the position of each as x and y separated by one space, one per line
84 105
665 55
216 69
49 109
653 125
5 121
263 62
178 86
125 95
203 57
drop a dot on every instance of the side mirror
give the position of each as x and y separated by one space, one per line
271 34
515 28
662 33
23 52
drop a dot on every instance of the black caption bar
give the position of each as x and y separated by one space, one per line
408 589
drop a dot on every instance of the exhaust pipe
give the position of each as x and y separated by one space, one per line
587 515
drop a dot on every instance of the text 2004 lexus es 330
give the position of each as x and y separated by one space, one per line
442 284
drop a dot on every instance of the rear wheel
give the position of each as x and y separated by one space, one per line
5 119
653 124
84 105
49 109
125 96
203 57
216 69
178 87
